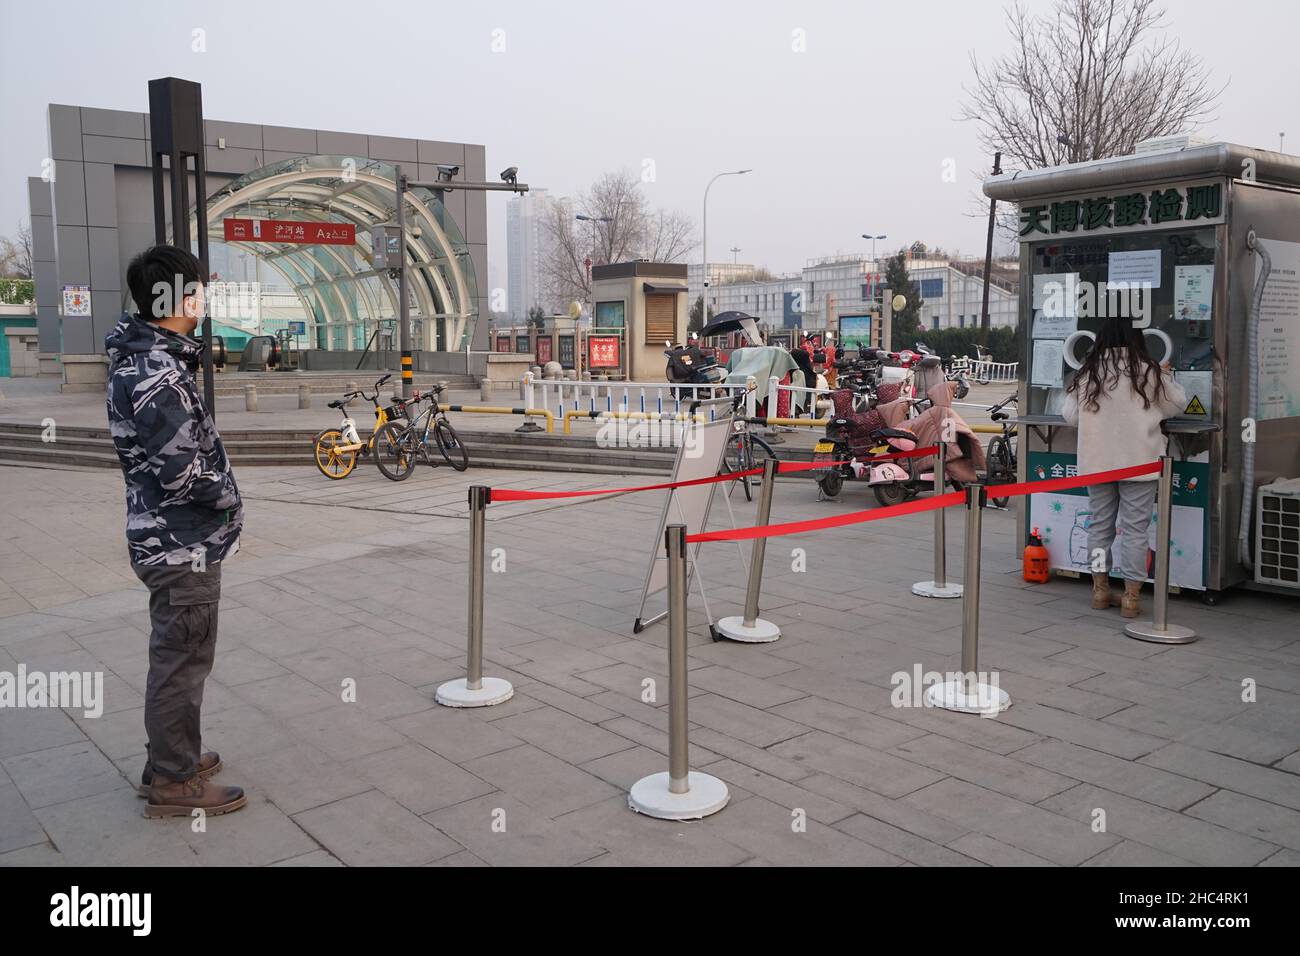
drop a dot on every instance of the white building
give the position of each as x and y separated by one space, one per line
527 246
951 291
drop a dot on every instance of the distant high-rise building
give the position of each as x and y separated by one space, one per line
527 245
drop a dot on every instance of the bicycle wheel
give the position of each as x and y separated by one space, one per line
449 443
1000 469
736 460
396 450
331 462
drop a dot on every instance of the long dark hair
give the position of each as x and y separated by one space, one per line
1120 348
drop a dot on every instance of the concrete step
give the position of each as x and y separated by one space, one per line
93 447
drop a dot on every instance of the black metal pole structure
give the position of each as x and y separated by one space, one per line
988 257
176 129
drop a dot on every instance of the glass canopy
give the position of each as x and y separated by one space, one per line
344 297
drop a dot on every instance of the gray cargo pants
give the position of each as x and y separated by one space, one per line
1127 504
182 644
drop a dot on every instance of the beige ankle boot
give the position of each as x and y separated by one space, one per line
1102 596
1129 603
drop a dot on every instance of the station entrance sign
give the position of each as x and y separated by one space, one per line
293 231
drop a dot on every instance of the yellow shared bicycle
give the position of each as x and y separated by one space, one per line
337 449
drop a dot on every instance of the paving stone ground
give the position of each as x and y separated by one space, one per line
366 580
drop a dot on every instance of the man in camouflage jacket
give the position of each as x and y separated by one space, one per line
184 517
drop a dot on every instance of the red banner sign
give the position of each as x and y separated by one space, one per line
287 230
602 351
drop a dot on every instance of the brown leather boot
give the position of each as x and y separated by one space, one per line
1128 606
209 766
1102 596
180 798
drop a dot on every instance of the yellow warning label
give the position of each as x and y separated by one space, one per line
1194 407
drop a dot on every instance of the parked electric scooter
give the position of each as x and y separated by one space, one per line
688 365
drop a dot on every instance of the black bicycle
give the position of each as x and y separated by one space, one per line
1001 453
401 444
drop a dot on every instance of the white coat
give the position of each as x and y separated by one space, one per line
1121 433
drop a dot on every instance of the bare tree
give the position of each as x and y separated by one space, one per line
16 253
669 236
1091 80
620 227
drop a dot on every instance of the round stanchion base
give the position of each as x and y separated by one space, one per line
530 427
951 695
1172 634
651 796
931 590
734 629
456 693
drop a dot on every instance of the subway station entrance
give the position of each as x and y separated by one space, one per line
313 223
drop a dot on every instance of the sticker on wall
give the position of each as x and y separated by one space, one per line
1200 396
76 300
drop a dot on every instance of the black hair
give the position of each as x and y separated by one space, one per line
178 270
1120 348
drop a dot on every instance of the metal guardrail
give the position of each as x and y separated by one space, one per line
560 396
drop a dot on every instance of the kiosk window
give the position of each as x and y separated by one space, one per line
609 315
1161 280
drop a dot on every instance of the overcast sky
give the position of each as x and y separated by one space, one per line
847 137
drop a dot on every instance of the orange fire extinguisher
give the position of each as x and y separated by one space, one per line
1036 559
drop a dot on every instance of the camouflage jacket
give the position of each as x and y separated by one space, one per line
181 496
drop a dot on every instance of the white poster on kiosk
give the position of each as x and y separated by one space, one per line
1279 332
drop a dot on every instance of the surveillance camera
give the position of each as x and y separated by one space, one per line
447 171
416 232
510 175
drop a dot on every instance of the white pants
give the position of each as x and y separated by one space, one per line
1127 504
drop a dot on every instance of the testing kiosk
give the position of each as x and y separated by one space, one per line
1200 245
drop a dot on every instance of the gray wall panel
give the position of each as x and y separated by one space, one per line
73 249
105 269
238 135
96 122
70 194
101 195
114 149
435 151
47 285
64 127
237 161
106 310
331 143
47 329
43 238
39 201
393 149
289 139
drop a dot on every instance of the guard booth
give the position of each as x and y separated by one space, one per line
1200 246
637 307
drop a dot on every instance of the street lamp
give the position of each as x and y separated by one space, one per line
704 241
591 261
873 239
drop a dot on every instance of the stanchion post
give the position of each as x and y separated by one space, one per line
939 587
1158 630
966 693
475 690
679 794
749 628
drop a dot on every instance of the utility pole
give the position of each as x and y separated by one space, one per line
988 257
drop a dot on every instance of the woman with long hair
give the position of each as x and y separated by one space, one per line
1117 400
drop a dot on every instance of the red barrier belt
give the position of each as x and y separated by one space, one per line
1079 481
511 494
835 521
